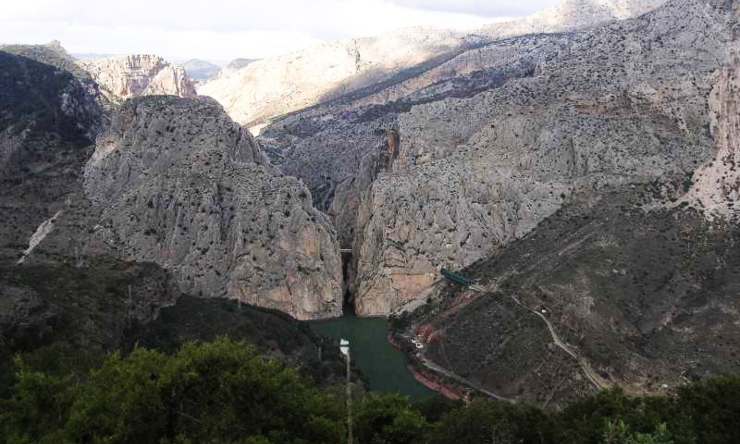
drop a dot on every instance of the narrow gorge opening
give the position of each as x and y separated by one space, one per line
348 302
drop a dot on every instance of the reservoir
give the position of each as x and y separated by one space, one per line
383 365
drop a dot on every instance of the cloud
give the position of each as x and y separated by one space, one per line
487 8
225 29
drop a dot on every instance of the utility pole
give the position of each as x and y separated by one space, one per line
344 349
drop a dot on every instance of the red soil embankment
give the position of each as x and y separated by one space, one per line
432 383
427 380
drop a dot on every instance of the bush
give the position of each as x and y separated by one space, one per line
213 392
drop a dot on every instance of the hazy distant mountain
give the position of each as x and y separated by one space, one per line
87 56
240 63
201 70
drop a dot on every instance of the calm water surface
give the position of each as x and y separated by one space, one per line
383 365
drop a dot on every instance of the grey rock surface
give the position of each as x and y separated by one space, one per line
492 142
180 184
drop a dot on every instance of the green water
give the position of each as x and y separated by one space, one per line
383 365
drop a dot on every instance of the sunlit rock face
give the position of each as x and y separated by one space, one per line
180 184
271 87
137 75
716 185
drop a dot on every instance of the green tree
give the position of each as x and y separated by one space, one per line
711 409
617 432
387 419
493 422
38 408
220 392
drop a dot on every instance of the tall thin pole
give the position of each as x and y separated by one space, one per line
349 403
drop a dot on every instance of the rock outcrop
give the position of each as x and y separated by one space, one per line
181 185
69 292
129 76
715 187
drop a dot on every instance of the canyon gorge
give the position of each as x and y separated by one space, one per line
579 164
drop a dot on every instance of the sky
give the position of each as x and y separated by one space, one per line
221 30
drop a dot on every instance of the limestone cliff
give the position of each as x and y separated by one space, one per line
129 76
181 185
494 140
716 185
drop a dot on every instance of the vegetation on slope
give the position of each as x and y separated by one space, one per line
226 392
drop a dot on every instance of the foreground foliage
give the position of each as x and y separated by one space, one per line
225 392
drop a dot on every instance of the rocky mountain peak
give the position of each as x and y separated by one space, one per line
137 75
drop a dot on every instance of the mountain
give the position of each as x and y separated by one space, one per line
201 70
269 87
129 76
447 166
496 158
584 178
272 87
109 219
239 63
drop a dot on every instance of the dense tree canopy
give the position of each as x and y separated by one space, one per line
225 392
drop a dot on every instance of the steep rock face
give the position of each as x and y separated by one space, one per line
275 86
181 185
124 77
494 140
716 187
48 122
629 284
72 297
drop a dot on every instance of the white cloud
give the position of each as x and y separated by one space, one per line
488 8
225 29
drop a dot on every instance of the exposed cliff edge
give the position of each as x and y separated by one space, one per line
181 185
137 75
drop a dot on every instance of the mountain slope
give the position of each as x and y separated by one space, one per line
640 296
274 86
